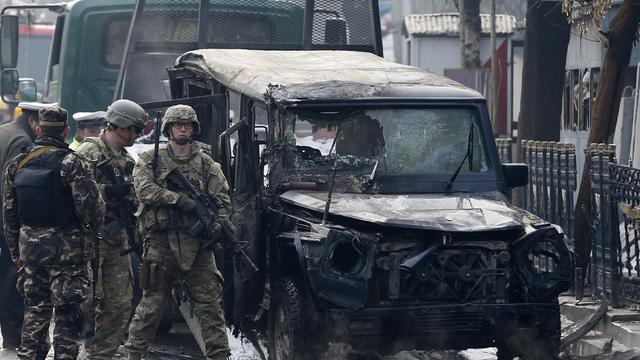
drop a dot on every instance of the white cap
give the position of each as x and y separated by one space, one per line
34 105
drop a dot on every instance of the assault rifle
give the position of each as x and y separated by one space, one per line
207 207
125 213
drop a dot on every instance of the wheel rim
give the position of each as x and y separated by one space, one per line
282 335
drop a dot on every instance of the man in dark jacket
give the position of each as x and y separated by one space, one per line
14 137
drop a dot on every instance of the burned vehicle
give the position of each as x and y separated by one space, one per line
371 198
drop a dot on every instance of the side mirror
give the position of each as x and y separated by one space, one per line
9 82
261 134
9 41
335 32
515 175
27 89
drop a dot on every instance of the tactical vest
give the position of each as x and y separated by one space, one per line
42 199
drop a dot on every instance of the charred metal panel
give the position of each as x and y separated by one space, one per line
456 212
340 266
543 261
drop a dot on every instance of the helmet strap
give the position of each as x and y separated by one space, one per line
181 141
122 138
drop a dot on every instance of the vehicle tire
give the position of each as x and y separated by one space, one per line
165 325
505 353
286 330
539 348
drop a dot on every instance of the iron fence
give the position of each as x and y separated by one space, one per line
505 150
623 229
614 215
604 268
552 181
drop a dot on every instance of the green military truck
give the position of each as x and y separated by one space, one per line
99 54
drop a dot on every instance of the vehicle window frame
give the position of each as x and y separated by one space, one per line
104 48
480 131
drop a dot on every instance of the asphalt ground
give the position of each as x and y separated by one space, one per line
180 344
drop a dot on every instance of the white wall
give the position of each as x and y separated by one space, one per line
438 53
583 52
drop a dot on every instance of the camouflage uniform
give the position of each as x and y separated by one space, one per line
54 275
113 289
171 255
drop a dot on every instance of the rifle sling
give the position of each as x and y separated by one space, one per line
32 155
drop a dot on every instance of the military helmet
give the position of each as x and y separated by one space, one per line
124 113
180 114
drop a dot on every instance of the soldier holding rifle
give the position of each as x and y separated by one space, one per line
112 267
173 253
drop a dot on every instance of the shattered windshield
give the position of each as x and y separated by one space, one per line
386 141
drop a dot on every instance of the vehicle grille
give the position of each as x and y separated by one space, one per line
452 274
449 321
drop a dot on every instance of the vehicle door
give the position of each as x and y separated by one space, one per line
242 161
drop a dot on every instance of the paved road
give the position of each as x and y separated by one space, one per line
179 341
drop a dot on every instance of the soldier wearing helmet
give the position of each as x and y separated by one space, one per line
113 289
52 205
171 253
180 114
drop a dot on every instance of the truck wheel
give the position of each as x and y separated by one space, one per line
541 348
504 353
165 325
286 328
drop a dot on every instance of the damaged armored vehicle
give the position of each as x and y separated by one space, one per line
370 197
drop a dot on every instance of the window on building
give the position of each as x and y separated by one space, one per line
579 98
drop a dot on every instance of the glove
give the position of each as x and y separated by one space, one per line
186 204
118 191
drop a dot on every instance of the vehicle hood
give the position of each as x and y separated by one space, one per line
444 212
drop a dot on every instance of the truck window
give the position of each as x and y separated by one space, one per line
398 141
53 72
114 37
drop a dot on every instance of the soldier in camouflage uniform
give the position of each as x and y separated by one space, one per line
171 254
113 290
51 205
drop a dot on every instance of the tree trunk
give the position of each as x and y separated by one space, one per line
469 33
621 36
545 55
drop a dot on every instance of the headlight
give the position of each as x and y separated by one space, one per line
545 263
345 257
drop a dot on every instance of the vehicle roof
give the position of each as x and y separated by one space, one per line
290 76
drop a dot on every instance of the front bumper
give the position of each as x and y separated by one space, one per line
446 326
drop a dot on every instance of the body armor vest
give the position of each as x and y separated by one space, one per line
42 199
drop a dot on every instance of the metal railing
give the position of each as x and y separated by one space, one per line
614 215
552 181
604 268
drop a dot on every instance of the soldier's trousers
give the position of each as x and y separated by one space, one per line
45 289
113 292
159 273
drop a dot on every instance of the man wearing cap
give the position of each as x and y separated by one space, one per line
113 289
88 124
52 205
14 137
171 253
